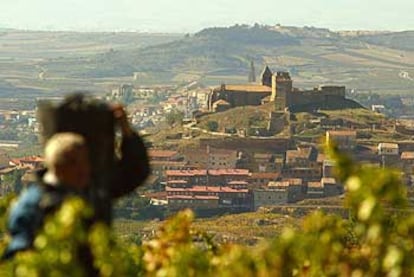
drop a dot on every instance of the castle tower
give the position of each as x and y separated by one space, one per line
266 77
281 89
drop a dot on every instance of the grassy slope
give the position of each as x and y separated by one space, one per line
243 228
244 117
60 55
240 117
361 118
314 56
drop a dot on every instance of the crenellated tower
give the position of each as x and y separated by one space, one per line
281 90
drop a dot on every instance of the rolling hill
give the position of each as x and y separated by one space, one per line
365 61
24 55
399 40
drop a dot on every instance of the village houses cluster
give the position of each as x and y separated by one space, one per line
238 180
240 173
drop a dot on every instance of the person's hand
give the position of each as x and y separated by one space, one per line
122 120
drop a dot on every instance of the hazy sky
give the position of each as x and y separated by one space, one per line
193 15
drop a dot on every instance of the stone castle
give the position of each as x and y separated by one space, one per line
278 88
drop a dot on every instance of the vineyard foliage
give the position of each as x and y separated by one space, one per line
377 239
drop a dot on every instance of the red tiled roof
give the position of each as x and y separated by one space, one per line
179 197
321 158
168 163
196 197
27 159
192 172
158 153
203 172
205 189
315 185
279 184
264 175
238 183
177 182
157 195
294 181
328 181
286 182
228 172
407 155
342 133
302 152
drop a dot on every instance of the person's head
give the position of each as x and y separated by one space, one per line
66 156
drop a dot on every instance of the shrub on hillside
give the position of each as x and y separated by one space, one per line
212 126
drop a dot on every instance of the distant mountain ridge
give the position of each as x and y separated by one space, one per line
400 40
232 47
358 59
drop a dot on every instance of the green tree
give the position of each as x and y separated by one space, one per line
174 117
212 126
12 181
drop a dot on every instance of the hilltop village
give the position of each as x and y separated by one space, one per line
202 159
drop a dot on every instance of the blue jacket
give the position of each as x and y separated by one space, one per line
27 215
25 218
39 199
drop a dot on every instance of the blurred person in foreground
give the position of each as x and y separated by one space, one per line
68 173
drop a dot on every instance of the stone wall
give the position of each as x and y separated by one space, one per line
323 97
273 145
237 98
277 122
